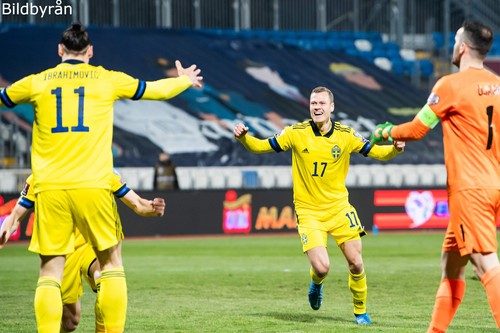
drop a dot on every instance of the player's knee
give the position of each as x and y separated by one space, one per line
322 269
356 267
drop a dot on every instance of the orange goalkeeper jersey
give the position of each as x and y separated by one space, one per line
468 104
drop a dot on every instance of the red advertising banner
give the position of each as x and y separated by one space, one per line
237 213
421 209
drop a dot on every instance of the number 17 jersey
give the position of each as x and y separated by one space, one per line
320 163
73 127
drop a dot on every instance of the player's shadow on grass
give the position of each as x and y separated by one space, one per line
302 318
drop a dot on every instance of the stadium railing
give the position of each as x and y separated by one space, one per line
262 177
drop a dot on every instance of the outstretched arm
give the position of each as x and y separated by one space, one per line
144 207
252 144
11 223
424 121
385 153
171 87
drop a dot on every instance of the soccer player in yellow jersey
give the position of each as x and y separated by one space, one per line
82 262
320 161
71 162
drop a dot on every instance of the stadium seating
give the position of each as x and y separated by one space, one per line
195 127
364 45
137 178
439 42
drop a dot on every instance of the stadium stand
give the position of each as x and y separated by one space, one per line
261 79
368 46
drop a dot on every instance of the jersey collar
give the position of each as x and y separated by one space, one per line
317 131
72 61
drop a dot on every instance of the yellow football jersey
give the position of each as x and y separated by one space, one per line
319 162
72 131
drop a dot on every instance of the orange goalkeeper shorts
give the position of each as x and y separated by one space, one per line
473 220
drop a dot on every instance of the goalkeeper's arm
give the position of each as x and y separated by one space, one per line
424 121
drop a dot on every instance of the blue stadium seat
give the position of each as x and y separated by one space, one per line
398 66
438 39
426 68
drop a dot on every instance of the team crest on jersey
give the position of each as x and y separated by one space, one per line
303 239
433 99
336 152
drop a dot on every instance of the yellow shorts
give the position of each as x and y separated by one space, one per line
315 226
58 212
77 265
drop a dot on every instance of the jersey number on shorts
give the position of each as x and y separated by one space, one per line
353 220
59 126
322 167
489 112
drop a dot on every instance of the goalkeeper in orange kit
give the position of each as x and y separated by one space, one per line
468 105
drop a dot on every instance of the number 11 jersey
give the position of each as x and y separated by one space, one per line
73 127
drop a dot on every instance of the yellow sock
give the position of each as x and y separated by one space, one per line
99 323
316 279
112 299
48 305
359 290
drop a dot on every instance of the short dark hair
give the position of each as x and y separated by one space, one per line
323 89
75 38
478 36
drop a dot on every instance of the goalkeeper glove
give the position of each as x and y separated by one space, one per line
382 132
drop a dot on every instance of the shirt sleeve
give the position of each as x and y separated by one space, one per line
442 97
119 187
165 88
282 141
384 153
412 130
18 92
126 86
255 145
27 198
358 144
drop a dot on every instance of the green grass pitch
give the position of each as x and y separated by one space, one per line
257 284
